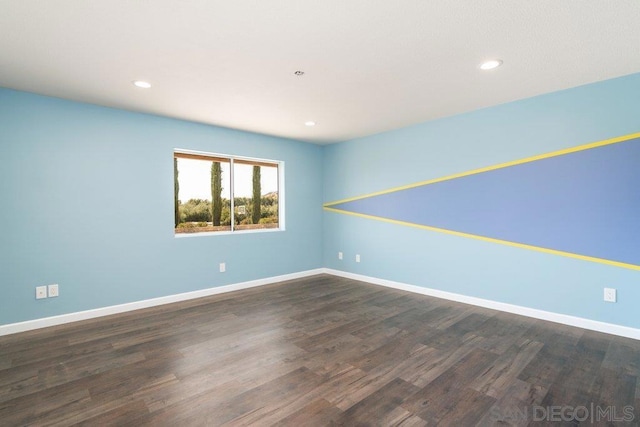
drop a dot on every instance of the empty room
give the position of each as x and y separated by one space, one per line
297 213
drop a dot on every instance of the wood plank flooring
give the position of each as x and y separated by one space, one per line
317 351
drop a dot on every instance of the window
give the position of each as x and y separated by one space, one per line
216 193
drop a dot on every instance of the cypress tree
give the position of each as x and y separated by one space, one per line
176 190
216 191
255 214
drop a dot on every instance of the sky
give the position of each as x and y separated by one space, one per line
195 180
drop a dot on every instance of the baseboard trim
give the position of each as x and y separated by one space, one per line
608 328
13 328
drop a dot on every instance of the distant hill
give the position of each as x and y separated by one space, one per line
272 195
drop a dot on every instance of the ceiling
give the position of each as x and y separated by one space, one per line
369 65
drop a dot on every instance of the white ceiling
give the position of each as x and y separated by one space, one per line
370 65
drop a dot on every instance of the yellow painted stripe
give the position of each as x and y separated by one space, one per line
494 167
488 239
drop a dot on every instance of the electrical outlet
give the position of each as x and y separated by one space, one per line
53 290
357 257
223 267
610 294
339 255
41 292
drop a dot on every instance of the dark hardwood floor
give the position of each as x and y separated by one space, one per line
317 351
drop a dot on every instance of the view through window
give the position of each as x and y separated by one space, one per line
214 193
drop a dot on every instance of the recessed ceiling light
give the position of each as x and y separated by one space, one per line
310 123
491 64
142 84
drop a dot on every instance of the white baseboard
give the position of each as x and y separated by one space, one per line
608 328
579 322
29 325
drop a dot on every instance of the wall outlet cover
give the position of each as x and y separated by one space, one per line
53 290
610 295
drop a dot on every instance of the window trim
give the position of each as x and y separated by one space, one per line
231 159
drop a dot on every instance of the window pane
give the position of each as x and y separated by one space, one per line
203 195
255 196
205 183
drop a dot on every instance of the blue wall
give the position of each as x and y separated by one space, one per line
79 181
87 202
465 142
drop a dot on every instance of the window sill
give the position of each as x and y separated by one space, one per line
226 233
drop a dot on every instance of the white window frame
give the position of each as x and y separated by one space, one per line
232 158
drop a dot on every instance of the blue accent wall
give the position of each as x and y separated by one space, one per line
475 140
584 203
87 202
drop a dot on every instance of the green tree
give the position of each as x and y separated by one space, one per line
196 210
176 190
225 218
216 192
255 213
